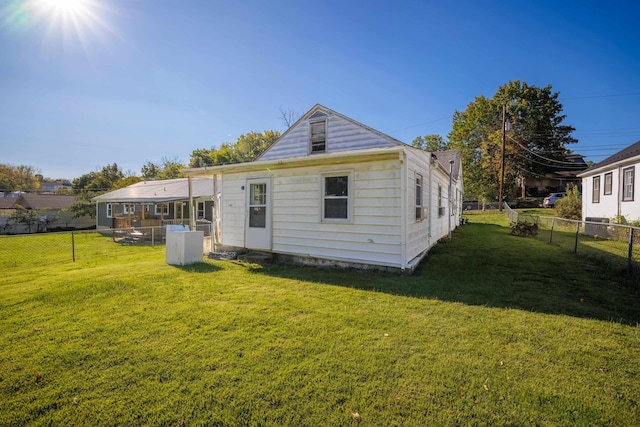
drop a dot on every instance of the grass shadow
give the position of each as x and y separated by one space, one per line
484 265
199 267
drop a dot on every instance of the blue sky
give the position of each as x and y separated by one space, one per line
131 81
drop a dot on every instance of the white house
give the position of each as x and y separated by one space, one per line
608 188
334 191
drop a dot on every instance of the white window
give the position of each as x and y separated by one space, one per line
608 183
162 209
318 137
627 183
440 207
109 210
336 199
595 194
418 197
128 209
200 210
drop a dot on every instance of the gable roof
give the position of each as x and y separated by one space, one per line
444 157
319 109
45 201
7 202
628 153
163 191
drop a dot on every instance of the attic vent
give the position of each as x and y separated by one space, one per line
318 115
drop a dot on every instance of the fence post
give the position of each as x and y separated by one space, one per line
553 223
630 256
575 248
153 236
73 247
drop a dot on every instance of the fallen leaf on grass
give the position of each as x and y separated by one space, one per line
356 416
486 387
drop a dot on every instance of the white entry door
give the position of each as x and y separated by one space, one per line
258 218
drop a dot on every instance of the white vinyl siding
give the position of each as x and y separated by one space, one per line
372 236
341 135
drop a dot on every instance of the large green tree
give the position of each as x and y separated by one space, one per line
21 177
536 137
92 184
245 149
430 143
167 169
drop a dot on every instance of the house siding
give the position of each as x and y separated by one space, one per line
372 236
342 135
611 205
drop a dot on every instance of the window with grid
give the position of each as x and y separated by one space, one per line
418 197
200 210
335 200
128 209
595 197
109 210
162 209
608 183
628 176
318 137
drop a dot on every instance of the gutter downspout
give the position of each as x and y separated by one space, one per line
216 214
192 219
450 194
403 210
432 161
620 190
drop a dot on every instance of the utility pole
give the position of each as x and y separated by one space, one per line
504 138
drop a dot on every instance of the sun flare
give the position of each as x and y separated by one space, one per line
70 23
66 7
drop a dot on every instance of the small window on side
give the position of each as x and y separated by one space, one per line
319 137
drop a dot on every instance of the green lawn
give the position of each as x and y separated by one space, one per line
491 330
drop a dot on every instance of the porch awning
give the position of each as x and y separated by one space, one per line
165 191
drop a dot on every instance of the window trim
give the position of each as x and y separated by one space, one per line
109 210
198 210
311 142
595 190
349 196
440 207
608 184
158 212
631 169
419 192
128 209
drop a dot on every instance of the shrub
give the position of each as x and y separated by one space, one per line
524 229
570 206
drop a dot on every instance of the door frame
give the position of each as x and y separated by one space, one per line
259 238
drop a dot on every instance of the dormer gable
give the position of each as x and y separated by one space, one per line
322 130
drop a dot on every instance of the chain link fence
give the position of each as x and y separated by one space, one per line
616 247
42 249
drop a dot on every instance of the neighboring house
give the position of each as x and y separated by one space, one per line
52 213
333 191
557 179
155 203
609 188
